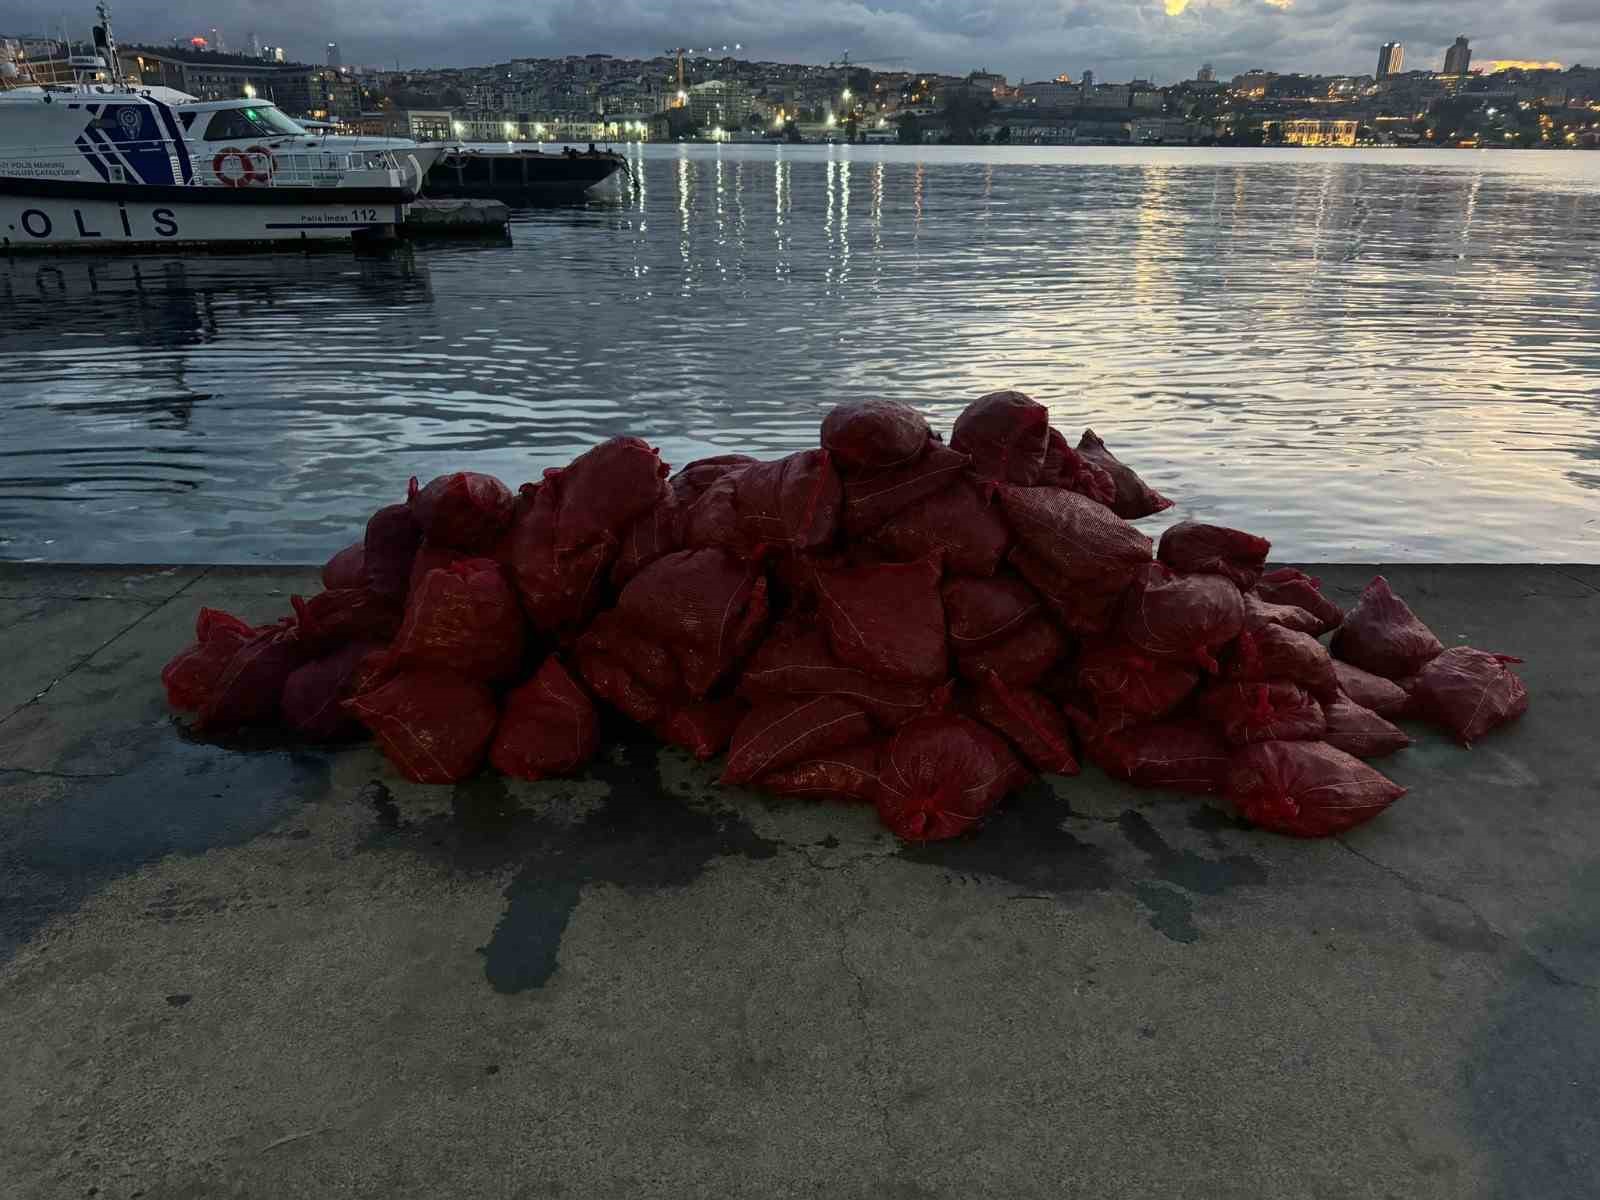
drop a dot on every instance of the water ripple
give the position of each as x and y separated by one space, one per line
1360 355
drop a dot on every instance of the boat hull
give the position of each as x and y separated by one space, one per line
507 176
90 217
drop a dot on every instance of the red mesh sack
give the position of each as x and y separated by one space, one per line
798 662
1469 692
955 523
1021 660
849 773
1030 722
248 690
548 726
1132 498
1382 696
1360 731
653 535
372 669
431 558
1383 636
559 590
192 675
463 510
1185 756
704 727
870 499
887 620
389 549
1274 652
985 612
1184 618
312 695
941 775
1197 549
648 660
1263 712
1257 612
1121 680
792 503
604 489
465 619
346 569
330 619
690 483
1290 586
706 606
609 678
1006 433
432 725
1081 607
1306 789
783 732
1077 540
1064 467
870 435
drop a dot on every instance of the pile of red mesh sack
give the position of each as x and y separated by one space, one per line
888 619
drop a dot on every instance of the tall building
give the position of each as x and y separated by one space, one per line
1458 59
1206 74
333 56
252 46
1391 59
1086 86
216 42
718 102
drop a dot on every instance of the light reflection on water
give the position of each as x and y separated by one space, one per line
1360 355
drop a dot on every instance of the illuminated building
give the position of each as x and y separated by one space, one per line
1391 59
1314 131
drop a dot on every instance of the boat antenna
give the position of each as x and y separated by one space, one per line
106 44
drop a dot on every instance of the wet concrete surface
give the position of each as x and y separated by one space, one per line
269 970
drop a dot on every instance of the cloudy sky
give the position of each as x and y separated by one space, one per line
1117 39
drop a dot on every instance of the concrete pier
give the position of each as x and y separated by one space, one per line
266 970
434 218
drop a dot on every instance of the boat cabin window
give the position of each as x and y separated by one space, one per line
231 124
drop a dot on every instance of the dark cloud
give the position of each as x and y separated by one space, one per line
1166 39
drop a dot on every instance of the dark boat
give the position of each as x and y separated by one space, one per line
502 174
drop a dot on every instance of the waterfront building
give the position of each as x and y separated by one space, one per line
1458 59
1048 94
719 102
1314 131
204 76
418 124
1391 59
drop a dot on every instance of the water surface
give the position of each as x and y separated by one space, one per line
1362 355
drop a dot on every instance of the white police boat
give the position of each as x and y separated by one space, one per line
100 165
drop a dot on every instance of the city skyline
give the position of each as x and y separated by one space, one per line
1163 40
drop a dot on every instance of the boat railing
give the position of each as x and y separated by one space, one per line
230 167
257 166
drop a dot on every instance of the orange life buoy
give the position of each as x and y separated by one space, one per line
244 177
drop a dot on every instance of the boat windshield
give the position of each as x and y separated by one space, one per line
259 120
